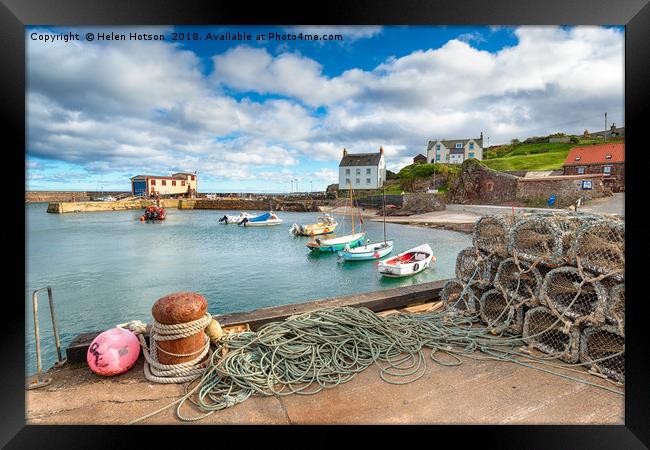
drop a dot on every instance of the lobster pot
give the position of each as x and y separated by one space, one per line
491 234
563 293
569 225
603 349
458 303
615 312
501 313
536 239
599 246
473 266
521 282
180 308
545 332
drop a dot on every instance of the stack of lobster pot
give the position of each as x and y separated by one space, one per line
557 279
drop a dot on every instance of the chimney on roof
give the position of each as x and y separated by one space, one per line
345 152
381 150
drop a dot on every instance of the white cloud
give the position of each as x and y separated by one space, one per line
133 106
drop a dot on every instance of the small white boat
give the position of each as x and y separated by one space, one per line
408 263
236 219
265 220
366 252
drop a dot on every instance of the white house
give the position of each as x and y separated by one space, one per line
454 151
362 170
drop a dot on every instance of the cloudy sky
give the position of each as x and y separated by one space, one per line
252 116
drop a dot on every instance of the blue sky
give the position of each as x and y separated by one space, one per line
252 116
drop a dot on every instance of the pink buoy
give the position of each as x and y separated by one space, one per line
113 352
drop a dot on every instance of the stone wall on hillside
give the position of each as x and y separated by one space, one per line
567 189
422 202
478 184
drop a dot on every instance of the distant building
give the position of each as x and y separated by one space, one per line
419 159
606 159
454 151
613 132
362 170
181 183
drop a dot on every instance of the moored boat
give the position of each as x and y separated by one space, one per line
339 243
324 225
367 252
407 263
236 219
264 220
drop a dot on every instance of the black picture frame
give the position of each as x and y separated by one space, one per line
633 14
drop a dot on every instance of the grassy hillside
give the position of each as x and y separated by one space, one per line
542 156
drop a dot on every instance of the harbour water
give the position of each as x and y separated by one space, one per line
107 268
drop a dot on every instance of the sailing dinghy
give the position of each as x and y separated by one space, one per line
369 251
408 263
341 242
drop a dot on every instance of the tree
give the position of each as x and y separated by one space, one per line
515 141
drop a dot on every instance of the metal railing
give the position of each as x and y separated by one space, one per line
38 380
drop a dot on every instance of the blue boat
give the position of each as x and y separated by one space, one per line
263 220
336 244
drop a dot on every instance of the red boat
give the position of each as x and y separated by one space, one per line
153 213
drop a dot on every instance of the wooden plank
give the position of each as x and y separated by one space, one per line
387 312
424 307
375 301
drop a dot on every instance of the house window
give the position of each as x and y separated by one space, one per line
577 158
164 182
608 156
438 147
471 146
347 181
581 170
358 181
471 155
347 171
183 183
173 182
153 182
368 171
358 171
607 169
459 145
437 157
192 177
367 180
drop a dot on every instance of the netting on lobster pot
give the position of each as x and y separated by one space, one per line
500 313
568 225
603 348
615 311
491 234
536 239
520 280
458 303
599 246
473 266
545 332
569 294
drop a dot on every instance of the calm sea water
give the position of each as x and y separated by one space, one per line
107 268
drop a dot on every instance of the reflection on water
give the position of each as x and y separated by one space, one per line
107 268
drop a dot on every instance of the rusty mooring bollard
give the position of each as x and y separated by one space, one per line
180 307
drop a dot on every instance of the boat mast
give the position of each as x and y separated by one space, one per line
351 209
384 207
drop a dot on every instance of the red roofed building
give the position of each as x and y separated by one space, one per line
606 159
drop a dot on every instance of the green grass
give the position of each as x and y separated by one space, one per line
532 157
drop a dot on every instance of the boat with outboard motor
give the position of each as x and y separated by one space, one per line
153 212
325 224
407 263
263 220
236 219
